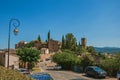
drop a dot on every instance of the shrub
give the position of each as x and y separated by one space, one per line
8 74
86 60
66 59
111 65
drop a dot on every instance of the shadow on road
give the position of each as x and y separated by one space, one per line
78 79
88 76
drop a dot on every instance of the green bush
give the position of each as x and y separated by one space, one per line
111 65
8 74
66 59
86 60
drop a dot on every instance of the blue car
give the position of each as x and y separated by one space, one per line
95 71
41 76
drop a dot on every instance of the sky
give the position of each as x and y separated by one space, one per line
96 20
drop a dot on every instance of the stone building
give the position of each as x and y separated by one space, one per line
13 59
20 44
83 42
51 45
54 45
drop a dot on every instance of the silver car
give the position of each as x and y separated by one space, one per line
95 72
57 67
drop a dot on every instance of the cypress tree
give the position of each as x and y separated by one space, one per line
63 42
48 35
39 39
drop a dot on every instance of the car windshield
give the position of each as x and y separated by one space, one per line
22 69
98 69
41 76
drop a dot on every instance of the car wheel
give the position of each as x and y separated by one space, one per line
87 74
104 77
96 76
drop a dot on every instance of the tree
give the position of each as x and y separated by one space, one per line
91 49
79 44
48 35
28 55
39 38
70 42
111 65
82 50
86 60
63 42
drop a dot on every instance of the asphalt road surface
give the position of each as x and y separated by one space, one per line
65 75
69 75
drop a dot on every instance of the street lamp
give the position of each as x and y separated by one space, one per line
15 23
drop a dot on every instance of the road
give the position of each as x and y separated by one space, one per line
61 75
65 75
69 75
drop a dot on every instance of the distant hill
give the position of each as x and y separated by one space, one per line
107 49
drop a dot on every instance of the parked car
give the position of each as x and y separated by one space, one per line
23 70
95 71
41 76
118 75
57 67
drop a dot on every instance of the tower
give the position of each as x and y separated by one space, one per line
83 42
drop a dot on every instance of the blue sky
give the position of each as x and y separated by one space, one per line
97 20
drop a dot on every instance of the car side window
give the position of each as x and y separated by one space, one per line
89 69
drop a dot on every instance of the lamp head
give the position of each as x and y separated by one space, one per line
15 31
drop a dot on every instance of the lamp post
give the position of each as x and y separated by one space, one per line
15 23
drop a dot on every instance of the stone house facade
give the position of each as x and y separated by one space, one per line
13 59
51 45
54 45
20 44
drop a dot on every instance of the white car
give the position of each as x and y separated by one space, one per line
23 70
118 75
57 67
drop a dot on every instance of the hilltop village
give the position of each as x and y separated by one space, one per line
47 49
68 53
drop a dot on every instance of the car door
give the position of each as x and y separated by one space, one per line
92 72
89 71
